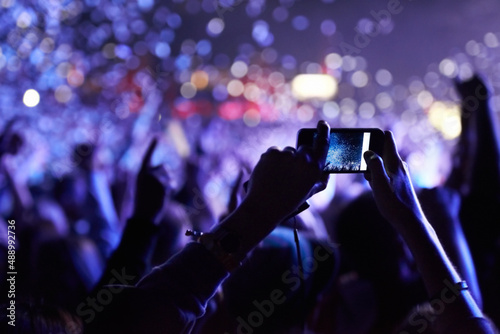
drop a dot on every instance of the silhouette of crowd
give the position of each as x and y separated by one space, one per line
103 251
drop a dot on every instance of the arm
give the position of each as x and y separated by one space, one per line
139 236
441 206
485 172
397 202
175 294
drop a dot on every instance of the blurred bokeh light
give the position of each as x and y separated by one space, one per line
103 71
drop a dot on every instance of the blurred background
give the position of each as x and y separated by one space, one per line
228 78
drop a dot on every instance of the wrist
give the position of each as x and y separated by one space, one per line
250 222
225 246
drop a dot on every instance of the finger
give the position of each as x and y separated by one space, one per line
233 198
289 149
272 149
322 183
368 155
161 174
379 181
146 160
321 142
391 158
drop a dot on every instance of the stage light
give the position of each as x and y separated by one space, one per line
384 101
252 92
383 77
239 69
63 94
333 61
322 87
331 109
359 79
448 68
178 137
305 113
235 88
251 118
445 117
200 79
276 79
491 40
23 20
366 110
31 98
188 90
425 99
215 26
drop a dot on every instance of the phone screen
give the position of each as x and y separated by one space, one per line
346 150
347 146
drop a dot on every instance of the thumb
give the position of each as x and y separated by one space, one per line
376 175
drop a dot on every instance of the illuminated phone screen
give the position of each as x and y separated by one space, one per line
346 150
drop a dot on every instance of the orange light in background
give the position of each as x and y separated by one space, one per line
199 79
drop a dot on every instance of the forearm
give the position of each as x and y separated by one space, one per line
133 253
251 222
188 280
169 299
485 173
438 274
452 238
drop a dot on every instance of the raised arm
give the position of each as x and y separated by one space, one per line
485 159
456 310
132 256
175 294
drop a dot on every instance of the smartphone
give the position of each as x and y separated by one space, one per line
347 146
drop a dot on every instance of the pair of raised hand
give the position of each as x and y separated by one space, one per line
284 179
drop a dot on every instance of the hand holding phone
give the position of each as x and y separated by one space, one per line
347 146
